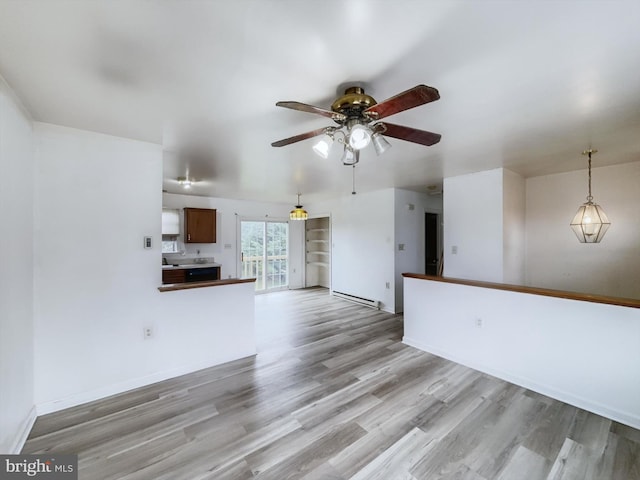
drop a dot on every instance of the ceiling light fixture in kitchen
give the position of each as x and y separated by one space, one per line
185 182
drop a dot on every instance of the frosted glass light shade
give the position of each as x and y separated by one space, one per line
590 223
322 146
359 137
380 144
350 157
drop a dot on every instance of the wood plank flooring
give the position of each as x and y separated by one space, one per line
334 394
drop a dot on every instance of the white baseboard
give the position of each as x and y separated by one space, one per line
548 390
109 390
23 432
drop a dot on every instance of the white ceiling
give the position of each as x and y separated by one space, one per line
525 85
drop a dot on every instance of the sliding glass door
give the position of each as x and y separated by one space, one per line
264 253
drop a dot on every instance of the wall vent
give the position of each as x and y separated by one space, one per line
362 301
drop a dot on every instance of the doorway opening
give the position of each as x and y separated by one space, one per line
431 250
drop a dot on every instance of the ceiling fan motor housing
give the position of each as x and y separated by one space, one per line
353 103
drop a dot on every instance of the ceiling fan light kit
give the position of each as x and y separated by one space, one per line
590 223
358 117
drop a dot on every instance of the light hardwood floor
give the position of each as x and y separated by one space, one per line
334 394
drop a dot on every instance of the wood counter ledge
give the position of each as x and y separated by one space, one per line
585 297
213 283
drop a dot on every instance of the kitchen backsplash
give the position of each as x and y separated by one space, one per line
176 258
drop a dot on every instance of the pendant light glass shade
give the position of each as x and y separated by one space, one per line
298 213
590 222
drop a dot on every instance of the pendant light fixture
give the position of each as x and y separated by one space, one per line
590 223
298 213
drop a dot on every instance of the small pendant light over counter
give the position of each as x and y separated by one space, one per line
298 213
590 223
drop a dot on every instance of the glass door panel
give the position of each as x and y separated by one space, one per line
277 248
264 254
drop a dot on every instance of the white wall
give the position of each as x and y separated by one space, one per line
16 273
582 353
555 258
473 222
409 232
96 286
226 249
513 211
362 229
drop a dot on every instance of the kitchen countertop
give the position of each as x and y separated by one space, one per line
183 266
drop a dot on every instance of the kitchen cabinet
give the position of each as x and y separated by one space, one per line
174 276
199 225
194 273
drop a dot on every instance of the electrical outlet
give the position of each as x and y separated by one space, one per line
148 332
387 285
454 250
478 322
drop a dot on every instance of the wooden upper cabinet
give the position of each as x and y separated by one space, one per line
199 225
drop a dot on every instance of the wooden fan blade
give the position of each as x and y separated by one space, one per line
411 134
297 138
303 107
413 97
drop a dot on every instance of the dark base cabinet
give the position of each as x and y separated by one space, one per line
173 276
182 275
203 274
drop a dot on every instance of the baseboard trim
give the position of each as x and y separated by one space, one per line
550 391
23 432
115 389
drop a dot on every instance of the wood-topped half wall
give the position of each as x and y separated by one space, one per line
586 297
580 349
171 287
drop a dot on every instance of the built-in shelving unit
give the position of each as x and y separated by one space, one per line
318 252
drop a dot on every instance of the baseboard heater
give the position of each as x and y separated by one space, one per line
362 301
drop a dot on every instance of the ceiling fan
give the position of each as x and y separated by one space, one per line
358 117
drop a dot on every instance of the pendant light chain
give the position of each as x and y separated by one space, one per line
589 197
